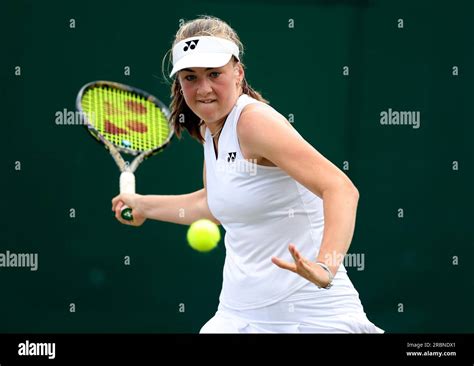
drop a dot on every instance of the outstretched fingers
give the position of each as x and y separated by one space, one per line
301 262
284 264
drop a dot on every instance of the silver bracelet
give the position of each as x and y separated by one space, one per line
331 276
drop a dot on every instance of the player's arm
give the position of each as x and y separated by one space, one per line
179 209
182 209
265 133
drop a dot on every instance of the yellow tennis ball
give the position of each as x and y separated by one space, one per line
203 235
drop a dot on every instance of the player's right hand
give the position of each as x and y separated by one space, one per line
130 200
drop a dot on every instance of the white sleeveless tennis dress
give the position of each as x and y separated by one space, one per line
262 210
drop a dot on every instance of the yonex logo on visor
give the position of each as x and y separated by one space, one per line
191 45
212 52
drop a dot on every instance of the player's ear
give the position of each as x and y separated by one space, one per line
239 72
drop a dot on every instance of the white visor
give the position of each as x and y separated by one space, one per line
203 51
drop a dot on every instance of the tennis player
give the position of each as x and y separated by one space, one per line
288 212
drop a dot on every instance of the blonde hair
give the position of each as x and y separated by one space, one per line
182 116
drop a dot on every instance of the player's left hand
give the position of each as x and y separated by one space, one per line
304 267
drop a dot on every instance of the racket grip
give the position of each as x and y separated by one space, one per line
127 185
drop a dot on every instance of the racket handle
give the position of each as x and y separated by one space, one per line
127 185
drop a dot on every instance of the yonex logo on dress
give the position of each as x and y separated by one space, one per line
191 45
231 156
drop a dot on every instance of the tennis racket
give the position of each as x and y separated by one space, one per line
125 120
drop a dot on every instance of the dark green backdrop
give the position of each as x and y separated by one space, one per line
409 283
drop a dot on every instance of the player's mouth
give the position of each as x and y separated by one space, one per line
207 101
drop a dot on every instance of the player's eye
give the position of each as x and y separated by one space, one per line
214 74
190 77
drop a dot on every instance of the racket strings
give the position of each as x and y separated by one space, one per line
125 119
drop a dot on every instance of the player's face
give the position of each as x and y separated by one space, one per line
211 93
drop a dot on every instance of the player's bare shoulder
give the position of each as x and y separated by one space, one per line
256 125
259 118
255 111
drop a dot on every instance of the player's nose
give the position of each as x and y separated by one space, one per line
204 88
